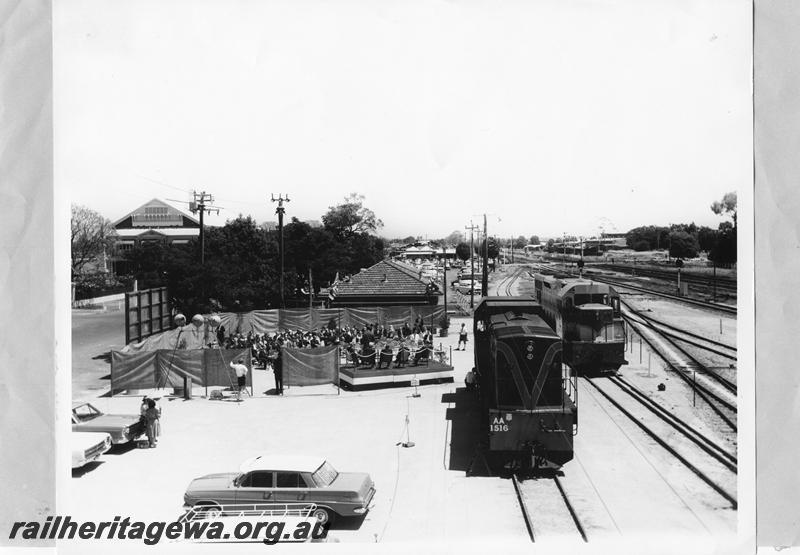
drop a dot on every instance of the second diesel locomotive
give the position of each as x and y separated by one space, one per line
528 396
586 315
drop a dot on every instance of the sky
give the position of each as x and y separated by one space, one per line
551 117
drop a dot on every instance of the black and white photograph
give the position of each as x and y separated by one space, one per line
437 275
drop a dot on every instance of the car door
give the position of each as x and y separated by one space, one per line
256 488
290 487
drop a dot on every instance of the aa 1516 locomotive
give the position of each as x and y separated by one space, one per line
586 315
528 396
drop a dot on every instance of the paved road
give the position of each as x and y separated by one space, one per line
94 334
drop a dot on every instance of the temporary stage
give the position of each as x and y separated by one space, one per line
360 379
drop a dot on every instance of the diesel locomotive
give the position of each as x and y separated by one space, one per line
586 315
528 397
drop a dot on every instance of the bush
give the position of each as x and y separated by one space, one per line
640 246
96 284
683 245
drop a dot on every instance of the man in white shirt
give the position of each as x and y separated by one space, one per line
241 376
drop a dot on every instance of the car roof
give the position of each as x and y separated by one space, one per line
299 463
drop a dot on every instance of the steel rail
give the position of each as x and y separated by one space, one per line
699 473
677 329
525 515
702 391
704 304
724 457
571 509
724 382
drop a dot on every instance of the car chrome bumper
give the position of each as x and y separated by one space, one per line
367 503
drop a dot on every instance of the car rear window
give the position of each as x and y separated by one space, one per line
325 475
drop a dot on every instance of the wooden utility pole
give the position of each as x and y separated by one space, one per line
280 210
485 277
200 204
472 229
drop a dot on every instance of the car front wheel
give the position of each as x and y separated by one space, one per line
322 515
210 511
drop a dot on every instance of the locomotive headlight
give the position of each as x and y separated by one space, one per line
529 356
529 346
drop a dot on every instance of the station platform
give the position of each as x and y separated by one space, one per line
362 379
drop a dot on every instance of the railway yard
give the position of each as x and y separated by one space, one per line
655 455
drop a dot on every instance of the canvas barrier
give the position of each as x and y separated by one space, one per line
311 366
167 368
272 321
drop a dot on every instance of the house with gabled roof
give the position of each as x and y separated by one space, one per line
386 283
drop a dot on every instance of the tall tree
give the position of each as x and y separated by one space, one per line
462 251
493 250
726 206
453 239
534 240
92 235
351 217
682 245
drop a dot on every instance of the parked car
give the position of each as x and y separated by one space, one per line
87 446
269 480
465 285
121 427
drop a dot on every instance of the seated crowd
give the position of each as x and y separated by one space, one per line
370 346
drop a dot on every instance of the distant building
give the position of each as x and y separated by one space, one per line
423 252
384 284
153 222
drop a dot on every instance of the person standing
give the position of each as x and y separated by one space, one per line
151 420
462 338
277 367
241 376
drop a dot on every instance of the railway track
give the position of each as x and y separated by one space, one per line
718 392
674 332
704 458
728 309
546 509
722 283
503 287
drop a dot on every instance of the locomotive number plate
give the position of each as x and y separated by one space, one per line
498 425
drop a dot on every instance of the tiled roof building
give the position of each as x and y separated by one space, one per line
384 284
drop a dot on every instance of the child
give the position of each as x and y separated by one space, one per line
462 338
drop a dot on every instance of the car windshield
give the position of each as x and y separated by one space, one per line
86 412
325 475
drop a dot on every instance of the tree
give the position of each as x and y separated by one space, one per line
654 237
534 240
724 250
92 235
706 238
493 249
551 245
351 217
453 239
462 251
520 242
682 245
726 206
